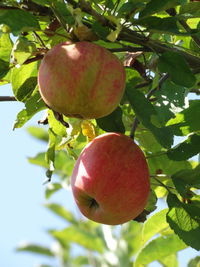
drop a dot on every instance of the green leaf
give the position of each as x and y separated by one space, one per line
185 179
152 227
168 25
186 149
167 166
51 189
38 133
187 121
61 212
170 260
24 81
39 160
155 6
128 7
194 262
159 248
148 117
113 122
60 9
79 236
151 204
131 233
109 4
23 49
19 20
184 220
170 100
50 154
190 10
63 164
32 106
5 51
42 2
177 67
56 126
80 261
101 31
38 249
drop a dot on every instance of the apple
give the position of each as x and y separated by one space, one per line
82 80
110 180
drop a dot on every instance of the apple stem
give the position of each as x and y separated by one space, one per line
93 203
58 116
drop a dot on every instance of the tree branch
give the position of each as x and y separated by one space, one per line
33 59
136 38
7 98
130 49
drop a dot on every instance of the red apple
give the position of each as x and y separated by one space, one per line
81 80
110 180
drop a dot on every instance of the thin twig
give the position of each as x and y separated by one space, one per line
195 91
162 184
7 98
33 59
134 127
161 81
130 49
40 40
189 30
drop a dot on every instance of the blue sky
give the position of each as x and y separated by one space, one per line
23 217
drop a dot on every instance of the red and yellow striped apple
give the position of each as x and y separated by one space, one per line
81 80
110 180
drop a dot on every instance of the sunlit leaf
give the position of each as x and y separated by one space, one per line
24 81
51 189
154 249
154 6
38 133
171 260
184 219
61 212
34 248
194 262
5 51
32 106
154 225
185 150
79 236
23 49
187 121
19 20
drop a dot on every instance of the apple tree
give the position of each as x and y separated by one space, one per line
158 43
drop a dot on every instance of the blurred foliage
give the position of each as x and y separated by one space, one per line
159 43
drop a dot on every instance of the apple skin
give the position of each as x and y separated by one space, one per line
82 80
110 180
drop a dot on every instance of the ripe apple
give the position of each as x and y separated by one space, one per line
82 80
110 180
